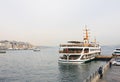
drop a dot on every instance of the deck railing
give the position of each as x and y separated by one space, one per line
70 51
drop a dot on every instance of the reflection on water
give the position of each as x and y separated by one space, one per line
70 73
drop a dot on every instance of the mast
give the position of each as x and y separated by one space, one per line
95 40
86 37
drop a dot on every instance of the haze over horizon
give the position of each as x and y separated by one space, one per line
52 22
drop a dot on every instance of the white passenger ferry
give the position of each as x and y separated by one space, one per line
79 52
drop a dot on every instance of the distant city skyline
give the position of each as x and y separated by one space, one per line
52 22
5 44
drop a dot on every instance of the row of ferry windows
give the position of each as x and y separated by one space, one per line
86 50
70 49
94 49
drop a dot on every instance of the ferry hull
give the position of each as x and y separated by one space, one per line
75 61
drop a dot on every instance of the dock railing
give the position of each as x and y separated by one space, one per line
94 77
91 77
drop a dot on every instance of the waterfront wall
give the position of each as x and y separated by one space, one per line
94 77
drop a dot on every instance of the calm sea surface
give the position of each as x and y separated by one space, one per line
29 66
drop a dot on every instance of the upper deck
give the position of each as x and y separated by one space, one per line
80 44
84 43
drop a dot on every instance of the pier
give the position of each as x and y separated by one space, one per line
103 57
109 74
94 77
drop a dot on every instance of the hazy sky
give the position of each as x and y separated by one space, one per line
51 22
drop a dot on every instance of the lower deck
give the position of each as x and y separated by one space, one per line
78 57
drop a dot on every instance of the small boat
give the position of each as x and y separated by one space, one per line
2 51
116 52
36 49
79 52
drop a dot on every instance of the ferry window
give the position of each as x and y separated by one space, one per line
86 50
73 57
117 49
65 50
74 50
117 52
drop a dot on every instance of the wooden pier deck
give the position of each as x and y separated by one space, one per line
103 57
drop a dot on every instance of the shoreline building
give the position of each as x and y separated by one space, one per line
5 44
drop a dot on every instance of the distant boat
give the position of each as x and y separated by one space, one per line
2 51
116 52
76 51
36 49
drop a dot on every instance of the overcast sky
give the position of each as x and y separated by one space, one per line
52 22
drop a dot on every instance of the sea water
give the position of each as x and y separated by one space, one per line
42 66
